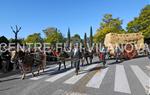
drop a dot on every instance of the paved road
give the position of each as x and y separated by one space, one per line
127 78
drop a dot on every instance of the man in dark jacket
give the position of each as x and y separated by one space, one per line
77 56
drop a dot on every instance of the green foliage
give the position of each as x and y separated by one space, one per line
108 25
3 39
76 39
20 41
34 38
141 23
53 36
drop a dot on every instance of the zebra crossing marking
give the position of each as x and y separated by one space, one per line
76 78
42 76
97 79
120 84
142 77
148 67
38 77
58 76
121 81
47 69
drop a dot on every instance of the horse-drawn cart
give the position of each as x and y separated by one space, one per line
130 43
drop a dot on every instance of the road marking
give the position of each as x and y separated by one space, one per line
143 78
63 92
96 80
38 77
58 76
148 67
49 68
121 82
42 76
76 78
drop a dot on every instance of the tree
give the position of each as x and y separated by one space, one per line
141 23
76 39
91 36
108 25
85 40
53 35
20 40
3 39
34 38
69 37
16 33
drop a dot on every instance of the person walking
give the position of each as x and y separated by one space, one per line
6 61
82 56
117 54
76 56
104 56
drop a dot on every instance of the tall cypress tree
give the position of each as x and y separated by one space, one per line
69 37
91 36
85 40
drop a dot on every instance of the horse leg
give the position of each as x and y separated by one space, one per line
33 75
38 70
43 66
82 60
91 60
71 64
59 65
86 58
4 65
23 76
20 68
7 65
64 64
24 73
14 66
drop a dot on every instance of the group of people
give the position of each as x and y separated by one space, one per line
9 60
76 55
5 61
105 54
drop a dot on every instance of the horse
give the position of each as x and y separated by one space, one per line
85 55
63 57
26 61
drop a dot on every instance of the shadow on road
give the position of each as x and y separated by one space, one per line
5 89
8 79
2 75
60 71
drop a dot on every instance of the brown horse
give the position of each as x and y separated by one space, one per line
26 61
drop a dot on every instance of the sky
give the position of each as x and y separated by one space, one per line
37 15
